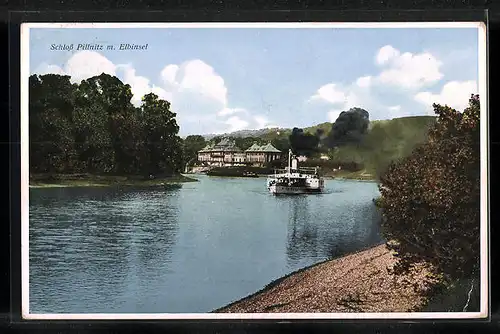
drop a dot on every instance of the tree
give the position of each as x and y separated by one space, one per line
303 143
123 121
51 104
282 143
93 141
245 142
162 145
93 127
431 199
191 145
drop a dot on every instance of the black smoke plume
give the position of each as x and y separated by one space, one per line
350 127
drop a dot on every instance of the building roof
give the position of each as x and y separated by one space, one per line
228 145
225 144
207 148
253 148
268 148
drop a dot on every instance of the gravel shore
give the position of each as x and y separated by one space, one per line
359 282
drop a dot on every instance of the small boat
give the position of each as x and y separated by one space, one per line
295 180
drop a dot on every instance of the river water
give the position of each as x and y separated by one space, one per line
189 248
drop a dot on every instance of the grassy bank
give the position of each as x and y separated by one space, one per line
91 180
361 175
358 282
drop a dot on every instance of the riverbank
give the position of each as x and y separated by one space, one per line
90 180
358 282
347 175
239 171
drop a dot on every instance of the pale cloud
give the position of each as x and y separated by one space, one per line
364 81
410 72
330 93
86 64
81 65
361 97
169 74
394 111
407 70
355 99
395 108
455 94
45 68
385 54
197 91
230 111
263 122
235 123
346 97
201 77
141 85
333 115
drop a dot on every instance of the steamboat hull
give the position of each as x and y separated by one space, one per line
287 190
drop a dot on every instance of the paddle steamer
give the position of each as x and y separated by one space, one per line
295 180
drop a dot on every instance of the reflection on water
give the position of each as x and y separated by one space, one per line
189 248
102 240
324 229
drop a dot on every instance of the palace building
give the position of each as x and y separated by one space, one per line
259 155
226 153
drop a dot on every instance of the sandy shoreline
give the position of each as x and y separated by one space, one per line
358 282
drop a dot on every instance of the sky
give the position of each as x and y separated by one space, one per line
220 80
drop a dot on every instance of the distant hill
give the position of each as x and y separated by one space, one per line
244 133
412 124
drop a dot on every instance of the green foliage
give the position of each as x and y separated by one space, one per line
322 127
282 143
391 140
93 127
51 141
191 146
325 165
162 146
384 142
302 143
245 142
431 199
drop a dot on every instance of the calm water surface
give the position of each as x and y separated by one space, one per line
189 248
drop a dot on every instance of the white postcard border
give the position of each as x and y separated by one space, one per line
484 138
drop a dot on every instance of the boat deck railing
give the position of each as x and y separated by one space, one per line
301 170
293 175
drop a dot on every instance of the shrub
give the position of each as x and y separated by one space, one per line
431 199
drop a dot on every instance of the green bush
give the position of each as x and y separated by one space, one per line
431 199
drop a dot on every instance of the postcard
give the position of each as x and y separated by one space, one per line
254 171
